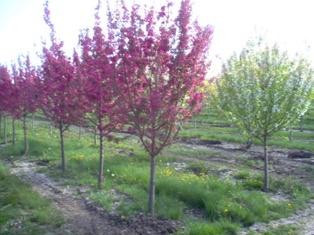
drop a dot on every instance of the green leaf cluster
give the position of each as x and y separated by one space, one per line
262 90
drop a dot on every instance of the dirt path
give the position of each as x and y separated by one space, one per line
78 219
82 216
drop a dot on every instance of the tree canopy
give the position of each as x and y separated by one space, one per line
262 90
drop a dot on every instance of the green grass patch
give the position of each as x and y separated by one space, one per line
283 230
214 228
189 151
137 202
19 203
106 198
198 168
220 200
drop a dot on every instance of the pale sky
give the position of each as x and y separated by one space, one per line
288 22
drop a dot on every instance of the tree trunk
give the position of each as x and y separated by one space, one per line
101 159
249 143
290 135
62 149
290 132
80 132
50 128
266 176
208 112
95 135
301 123
0 125
32 120
151 200
25 135
5 130
13 130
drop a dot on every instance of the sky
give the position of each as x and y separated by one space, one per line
288 22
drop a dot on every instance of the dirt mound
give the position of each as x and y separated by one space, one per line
300 154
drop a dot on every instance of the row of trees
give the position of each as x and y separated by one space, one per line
144 72
147 73
17 94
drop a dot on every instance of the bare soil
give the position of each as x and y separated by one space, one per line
84 217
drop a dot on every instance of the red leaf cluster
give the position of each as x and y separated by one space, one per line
6 90
161 64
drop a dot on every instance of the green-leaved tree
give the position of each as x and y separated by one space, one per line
262 90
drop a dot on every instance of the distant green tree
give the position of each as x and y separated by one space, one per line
302 116
263 90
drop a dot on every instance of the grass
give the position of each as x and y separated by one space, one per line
225 134
283 230
221 228
178 149
226 205
276 229
214 127
198 168
106 198
301 140
223 200
210 115
22 211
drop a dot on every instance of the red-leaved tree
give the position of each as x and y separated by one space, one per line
25 77
15 102
6 92
60 87
162 63
98 71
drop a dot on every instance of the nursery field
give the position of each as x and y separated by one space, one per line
206 183
112 150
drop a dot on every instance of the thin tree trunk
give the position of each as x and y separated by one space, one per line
249 143
50 128
290 133
101 159
13 130
266 176
301 123
0 125
32 120
151 200
5 130
95 136
208 112
25 135
80 132
62 149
